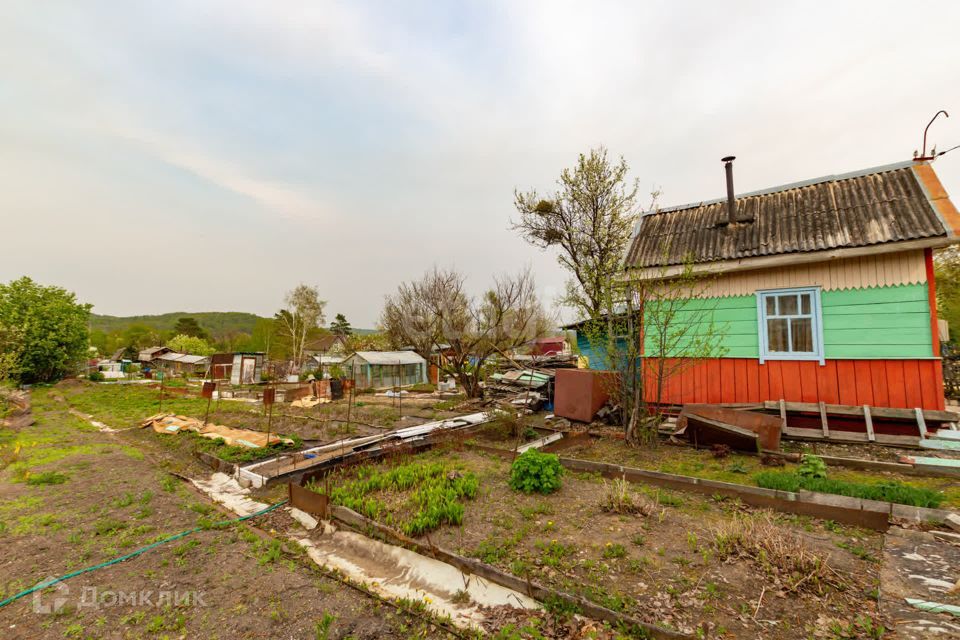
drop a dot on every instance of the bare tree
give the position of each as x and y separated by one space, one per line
303 312
654 328
436 310
590 219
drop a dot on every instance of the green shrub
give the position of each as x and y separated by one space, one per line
889 491
96 376
536 472
812 467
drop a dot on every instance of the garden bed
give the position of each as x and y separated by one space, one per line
667 558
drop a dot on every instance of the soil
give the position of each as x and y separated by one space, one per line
117 497
664 567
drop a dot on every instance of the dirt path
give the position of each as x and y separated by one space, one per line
72 496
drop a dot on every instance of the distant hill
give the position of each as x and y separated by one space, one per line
218 323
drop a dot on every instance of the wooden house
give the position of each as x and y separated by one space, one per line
819 291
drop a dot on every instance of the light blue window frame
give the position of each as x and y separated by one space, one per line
815 315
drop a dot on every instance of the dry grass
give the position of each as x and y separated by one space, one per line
783 555
618 499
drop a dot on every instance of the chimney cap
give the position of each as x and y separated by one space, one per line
728 159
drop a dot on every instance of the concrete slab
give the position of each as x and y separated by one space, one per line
917 566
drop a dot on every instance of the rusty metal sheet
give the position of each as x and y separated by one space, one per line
207 390
269 395
309 501
706 424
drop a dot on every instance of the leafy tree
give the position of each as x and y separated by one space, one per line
340 326
304 312
43 331
188 326
190 344
947 272
590 219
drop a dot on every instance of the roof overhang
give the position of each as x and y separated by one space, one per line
786 259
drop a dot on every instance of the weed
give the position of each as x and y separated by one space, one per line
462 596
639 539
123 501
777 552
613 550
46 477
108 526
858 550
271 554
322 628
536 472
812 467
553 552
169 483
619 500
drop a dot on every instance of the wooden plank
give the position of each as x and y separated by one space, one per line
753 380
921 423
911 383
792 388
799 433
933 415
861 369
741 392
827 390
823 420
878 380
931 385
728 383
808 381
897 393
783 413
868 419
775 379
847 382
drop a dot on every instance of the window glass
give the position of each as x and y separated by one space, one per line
788 305
771 305
805 304
801 335
777 335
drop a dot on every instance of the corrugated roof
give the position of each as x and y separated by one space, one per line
184 358
389 357
874 206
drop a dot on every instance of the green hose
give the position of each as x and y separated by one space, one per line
53 581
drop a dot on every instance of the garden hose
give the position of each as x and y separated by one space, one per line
182 534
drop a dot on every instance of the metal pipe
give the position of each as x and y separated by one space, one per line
731 199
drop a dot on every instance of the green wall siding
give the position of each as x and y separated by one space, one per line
881 322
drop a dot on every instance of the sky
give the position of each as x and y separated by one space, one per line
208 155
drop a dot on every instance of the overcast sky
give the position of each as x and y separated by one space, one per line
209 155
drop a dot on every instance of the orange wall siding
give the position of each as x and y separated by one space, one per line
880 383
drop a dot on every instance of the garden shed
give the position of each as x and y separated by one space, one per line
385 369
819 291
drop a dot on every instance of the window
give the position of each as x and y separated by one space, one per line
790 324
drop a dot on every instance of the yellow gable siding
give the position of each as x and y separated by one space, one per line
881 270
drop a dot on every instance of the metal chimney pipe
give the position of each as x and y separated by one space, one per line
731 199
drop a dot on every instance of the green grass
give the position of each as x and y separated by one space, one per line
47 477
435 489
887 491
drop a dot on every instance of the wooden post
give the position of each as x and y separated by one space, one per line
162 378
921 423
783 414
868 419
823 420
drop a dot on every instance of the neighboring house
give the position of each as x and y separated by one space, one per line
241 367
385 369
147 356
182 362
329 345
823 290
549 346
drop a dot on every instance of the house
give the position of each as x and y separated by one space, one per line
549 346
147 356
819 291
172 361
385 369
329 345
239 367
